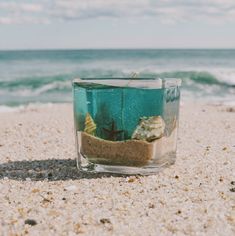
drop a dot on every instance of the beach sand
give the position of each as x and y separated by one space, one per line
42 193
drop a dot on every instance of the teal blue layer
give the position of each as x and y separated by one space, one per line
123 106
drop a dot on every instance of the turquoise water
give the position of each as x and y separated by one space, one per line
45 76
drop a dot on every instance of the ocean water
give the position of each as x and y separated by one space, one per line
45 76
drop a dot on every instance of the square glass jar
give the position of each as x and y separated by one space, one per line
126 125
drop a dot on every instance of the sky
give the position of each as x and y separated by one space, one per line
52 24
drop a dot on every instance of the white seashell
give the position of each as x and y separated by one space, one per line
149 128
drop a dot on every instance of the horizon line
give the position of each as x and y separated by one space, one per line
124 48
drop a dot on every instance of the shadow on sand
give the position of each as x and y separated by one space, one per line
51 169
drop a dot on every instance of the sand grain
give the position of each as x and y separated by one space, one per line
39 181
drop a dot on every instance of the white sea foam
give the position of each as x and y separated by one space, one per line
28 92
52 86
227 76
4 109
22 108
221 75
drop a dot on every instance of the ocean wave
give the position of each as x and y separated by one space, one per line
54 86
57 88
200 77
223 78
33 82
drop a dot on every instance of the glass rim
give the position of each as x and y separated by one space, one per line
157 82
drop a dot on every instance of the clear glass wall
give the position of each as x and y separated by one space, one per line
126 125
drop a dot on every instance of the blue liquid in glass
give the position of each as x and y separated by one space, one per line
119 106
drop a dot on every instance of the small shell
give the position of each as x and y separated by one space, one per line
90 126
149 128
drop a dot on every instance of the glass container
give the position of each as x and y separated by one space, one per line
126 125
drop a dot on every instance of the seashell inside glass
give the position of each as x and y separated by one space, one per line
126 126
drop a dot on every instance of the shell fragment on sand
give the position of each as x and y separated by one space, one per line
149 129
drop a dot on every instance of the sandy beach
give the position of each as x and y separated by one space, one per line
42 192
